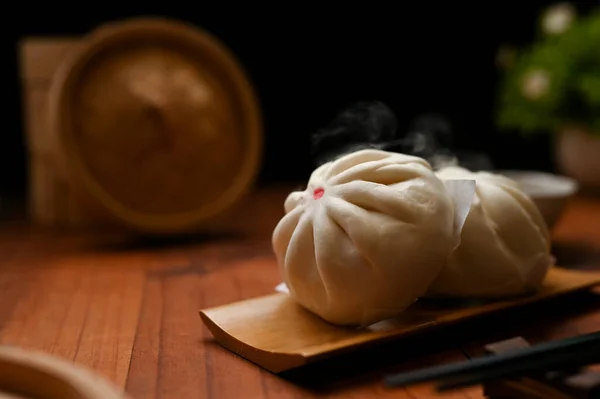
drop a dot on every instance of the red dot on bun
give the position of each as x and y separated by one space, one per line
318 193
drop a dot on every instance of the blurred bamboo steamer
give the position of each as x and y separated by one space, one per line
32 374
148 124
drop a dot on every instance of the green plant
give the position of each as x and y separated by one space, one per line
555 82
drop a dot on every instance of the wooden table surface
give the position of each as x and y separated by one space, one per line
129 311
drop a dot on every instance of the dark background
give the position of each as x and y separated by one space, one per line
308 61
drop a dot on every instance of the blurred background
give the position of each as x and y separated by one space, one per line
309 61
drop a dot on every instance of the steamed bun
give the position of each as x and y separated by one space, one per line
365 239
505 243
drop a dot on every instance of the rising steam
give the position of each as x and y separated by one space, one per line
374 125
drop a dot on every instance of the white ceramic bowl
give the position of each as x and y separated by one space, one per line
549 192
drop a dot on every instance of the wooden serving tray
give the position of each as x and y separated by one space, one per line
277 334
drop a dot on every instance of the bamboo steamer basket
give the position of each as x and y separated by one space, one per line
48 193
35 375
151 124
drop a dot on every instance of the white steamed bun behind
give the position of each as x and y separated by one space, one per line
505 243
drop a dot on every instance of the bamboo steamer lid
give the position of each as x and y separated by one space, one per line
158 122
31 374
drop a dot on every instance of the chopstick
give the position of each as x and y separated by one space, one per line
571 352
573 360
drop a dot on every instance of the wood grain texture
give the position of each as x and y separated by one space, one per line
129 310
